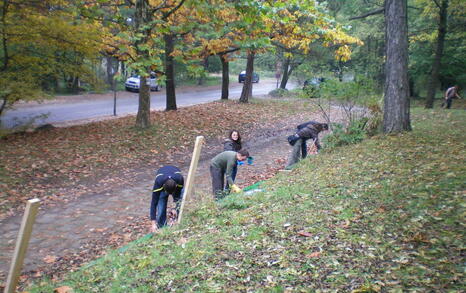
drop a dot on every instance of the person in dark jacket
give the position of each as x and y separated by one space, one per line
232 143
222 165
308 130
168 181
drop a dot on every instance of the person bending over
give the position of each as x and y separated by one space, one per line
221 166
168 181
309 130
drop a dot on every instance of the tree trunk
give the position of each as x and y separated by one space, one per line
75 85
205 65
170 72
142 17
143 116
112 69
396 101
247 86
225 76
434 76
285 70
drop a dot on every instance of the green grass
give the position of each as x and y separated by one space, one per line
383 215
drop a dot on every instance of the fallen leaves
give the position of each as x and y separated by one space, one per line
63 289
314 254
93 153
305 234
50 259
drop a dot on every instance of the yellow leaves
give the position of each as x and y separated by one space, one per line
218 45
343 53
50 259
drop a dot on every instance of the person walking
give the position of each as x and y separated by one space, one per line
221 166
168 181
450 94
308 130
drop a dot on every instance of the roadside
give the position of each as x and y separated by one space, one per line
73 110
110 208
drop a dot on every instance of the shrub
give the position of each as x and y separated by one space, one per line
340 135
278 93
311 91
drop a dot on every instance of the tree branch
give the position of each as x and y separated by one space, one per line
436 3
166 15
374 12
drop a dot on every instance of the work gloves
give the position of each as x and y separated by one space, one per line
235 188
292 139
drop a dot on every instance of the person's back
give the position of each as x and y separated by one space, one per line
224 159
168 181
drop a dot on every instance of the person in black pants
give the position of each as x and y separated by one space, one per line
168 181
221 166
304 141
450 94
308 130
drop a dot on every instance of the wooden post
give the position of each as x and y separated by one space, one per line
188 188
22 243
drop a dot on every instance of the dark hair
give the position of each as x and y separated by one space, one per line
169 186
239 136
324 126
243 153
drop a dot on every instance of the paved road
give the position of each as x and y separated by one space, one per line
127 103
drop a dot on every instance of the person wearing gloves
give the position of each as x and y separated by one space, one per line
168 181
222 165
308 130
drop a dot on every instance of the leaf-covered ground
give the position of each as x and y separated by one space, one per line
384 215
60 164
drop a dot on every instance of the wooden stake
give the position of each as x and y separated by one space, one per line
189 186
22 243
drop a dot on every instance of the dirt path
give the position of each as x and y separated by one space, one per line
67 235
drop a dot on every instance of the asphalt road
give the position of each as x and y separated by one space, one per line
127 103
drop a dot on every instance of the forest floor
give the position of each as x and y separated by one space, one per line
94 180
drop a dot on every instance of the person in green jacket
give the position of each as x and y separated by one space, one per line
222 165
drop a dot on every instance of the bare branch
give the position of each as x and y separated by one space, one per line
374 12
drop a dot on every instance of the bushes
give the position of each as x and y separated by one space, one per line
340 135
278 93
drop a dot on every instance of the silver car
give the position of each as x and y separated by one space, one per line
132 83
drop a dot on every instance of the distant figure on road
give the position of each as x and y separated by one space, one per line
305 131
222 165
168 181
233 143
450 94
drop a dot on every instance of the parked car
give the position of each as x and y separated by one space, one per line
132 83
242 77
315 82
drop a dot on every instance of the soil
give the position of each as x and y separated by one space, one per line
69 234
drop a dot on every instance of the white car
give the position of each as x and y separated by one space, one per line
132 83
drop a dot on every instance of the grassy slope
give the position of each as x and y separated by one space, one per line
386 214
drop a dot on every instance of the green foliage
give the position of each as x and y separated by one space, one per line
41 45
341 135
311 91
278 93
